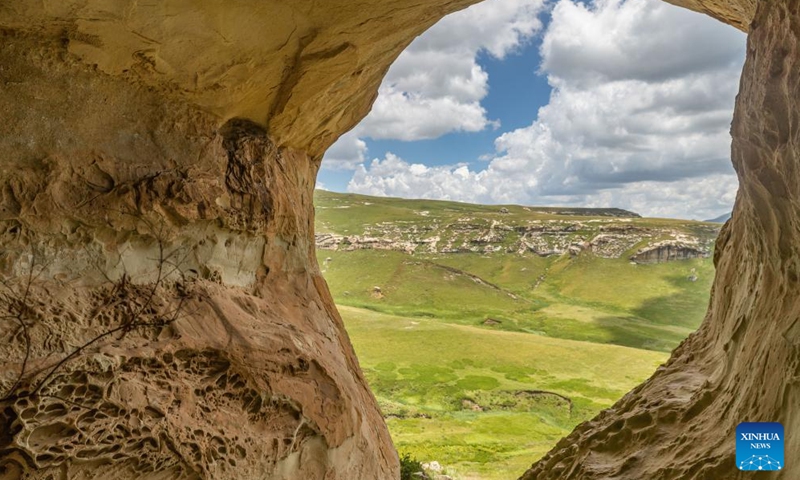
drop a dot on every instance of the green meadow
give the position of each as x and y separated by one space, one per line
430 377
587 298
482 361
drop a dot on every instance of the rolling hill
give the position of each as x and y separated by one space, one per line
488 332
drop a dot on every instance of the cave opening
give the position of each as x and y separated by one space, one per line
496 304
143 135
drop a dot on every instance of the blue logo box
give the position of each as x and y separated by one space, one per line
759 446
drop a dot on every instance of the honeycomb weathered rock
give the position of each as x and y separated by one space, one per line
204 126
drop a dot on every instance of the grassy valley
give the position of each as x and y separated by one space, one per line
489 332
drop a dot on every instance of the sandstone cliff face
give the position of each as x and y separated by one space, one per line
307 72
669 250
157 244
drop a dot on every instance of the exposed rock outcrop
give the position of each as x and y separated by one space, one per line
306 72
538 237
118 145
669 250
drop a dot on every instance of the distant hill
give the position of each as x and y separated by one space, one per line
325 197
347 222
631 281
721 219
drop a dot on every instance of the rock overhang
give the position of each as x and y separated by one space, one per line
149 89
306 71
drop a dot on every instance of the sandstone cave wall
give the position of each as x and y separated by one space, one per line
158 170
743 362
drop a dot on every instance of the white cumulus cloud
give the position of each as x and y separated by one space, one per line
639 117
436 85
346 154
394 176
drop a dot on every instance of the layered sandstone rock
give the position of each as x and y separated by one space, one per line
160 292
669 250
743 363
168 256
306 71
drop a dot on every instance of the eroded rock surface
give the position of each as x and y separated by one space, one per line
743 362
137 135
306 71
733 12
167 258
670 250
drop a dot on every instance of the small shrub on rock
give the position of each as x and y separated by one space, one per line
411 468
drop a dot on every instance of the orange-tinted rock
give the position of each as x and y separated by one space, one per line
742 364
109 186
738 13
188 136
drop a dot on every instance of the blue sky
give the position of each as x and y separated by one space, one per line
623 103
516 91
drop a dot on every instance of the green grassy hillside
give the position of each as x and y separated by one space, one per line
457 394
489 332
592 299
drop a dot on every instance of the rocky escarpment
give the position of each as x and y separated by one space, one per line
348 222
666 251
120 156
598 237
